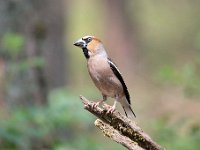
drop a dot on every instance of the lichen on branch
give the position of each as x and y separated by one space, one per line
120 128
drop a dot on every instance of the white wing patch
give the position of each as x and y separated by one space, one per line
114 65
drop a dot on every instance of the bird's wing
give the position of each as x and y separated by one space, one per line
119 76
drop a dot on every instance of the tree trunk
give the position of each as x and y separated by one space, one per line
41 23
45 34
121 33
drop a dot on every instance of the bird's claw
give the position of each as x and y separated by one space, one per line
96 104
111 110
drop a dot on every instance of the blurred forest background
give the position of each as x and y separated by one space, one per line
156 45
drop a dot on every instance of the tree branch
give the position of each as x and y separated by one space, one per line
120 128
115 135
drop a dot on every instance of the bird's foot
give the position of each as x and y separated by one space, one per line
111 110
96 104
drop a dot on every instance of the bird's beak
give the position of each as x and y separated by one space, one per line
80 43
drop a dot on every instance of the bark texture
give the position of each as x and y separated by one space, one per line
120 128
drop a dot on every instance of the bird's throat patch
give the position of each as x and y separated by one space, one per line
85 52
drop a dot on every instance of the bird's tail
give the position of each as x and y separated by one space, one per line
128 110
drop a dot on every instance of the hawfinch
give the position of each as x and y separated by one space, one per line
105 74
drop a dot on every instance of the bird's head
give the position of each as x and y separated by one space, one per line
90 45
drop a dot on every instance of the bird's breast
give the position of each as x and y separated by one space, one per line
103 77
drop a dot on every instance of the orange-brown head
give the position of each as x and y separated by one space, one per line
90 45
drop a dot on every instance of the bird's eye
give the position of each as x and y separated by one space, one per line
89 39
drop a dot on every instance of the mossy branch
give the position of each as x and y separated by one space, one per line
120 128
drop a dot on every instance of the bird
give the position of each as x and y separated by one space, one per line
105 74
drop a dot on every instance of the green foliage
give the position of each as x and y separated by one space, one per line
13 43
187 77
172 136
57 124
64 105
24 65
167 73
18 66
62 124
